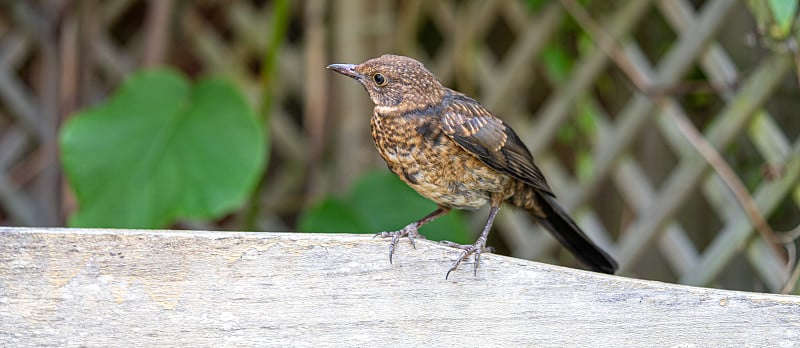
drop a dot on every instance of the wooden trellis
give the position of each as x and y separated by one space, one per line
53 59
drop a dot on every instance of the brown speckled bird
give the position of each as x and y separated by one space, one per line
453 151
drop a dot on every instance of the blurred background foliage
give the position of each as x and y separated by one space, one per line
669 128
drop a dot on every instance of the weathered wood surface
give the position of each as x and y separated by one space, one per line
102 288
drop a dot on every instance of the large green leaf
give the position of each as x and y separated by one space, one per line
161 149
379 202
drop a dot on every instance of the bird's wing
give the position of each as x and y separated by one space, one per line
485 136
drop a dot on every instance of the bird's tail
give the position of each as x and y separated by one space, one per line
571 236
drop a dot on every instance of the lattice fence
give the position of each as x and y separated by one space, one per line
644 80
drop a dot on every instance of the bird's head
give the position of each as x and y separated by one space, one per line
395 82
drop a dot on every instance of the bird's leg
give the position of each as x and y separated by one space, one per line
411 230
478 247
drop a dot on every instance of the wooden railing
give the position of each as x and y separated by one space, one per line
103 288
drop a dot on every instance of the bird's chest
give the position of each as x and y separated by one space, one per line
426 159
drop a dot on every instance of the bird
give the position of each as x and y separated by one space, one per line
453 151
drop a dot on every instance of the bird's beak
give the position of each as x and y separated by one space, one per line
348 70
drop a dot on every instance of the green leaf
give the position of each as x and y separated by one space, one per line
783 13
379 202
535 5
161 149
386 202
584 166
567 134
332 215
557 63
587 118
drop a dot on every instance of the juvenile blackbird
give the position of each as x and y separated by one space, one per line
453 151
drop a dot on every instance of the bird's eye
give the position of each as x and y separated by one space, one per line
379 79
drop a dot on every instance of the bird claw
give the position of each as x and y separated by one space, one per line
476 249
410 231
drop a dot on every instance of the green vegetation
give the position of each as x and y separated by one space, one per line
379 201
161 149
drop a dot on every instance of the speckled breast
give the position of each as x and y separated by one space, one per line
415 149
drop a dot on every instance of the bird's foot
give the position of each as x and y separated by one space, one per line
410 231
473 249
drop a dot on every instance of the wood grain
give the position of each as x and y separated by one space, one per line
74 287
